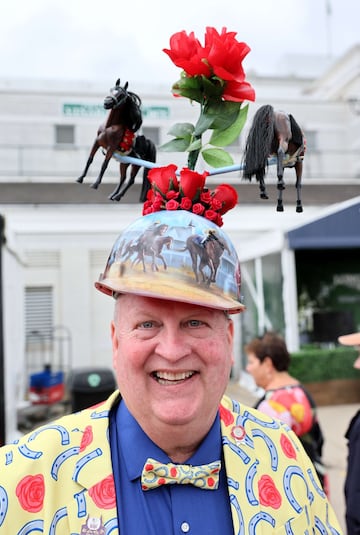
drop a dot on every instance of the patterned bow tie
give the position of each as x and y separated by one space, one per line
155 474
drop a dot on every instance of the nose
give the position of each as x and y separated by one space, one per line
173 344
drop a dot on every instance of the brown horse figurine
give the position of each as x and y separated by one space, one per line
118 133
274 133
145 149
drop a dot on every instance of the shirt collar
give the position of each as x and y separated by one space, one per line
136 446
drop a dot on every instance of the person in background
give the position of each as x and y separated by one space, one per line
168 452
352 479
268 362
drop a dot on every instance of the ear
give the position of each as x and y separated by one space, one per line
230 337
115 342
268 363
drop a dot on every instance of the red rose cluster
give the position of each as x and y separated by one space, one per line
221 58
188 193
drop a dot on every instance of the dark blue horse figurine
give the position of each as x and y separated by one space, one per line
274 133
118 133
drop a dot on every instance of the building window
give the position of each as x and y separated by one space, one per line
39 312
153 133
64 134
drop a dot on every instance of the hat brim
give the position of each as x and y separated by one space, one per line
195 295
352 339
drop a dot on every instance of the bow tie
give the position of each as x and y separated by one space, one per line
155 474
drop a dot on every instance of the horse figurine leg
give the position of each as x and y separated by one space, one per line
298 171
260 177
93 151
123 169
280 176
121 193
108 157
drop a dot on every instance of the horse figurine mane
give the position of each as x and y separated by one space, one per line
118 134
274 133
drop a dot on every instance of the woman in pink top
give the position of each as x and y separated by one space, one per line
284 397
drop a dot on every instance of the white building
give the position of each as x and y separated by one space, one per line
59 233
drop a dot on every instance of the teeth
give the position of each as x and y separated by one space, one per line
168 376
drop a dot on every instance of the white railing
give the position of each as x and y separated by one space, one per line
36 162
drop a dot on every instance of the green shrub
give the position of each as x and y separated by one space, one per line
313 364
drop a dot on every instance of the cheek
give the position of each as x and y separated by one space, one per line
254 370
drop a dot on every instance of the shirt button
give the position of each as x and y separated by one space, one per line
185 528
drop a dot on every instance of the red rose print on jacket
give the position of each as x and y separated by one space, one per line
268 493
103 493
226 416
87 438
30 492
287 447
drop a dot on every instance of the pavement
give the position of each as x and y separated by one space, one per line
334 420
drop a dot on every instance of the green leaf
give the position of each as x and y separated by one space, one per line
182 130
221 138
224 113
203 124
217 157
189 87
175 145
212 87
195 145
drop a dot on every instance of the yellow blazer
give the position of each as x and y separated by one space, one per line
58 480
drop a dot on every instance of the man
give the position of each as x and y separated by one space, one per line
352 480
96 472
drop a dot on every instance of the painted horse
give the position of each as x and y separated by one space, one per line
274 133
118 134
205 253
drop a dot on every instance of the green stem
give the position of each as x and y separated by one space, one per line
194 154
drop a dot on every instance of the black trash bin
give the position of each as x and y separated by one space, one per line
89 386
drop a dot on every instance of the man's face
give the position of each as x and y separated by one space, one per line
172 360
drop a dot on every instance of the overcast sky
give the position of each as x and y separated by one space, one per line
100 41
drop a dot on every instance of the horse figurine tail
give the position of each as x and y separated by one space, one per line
258 143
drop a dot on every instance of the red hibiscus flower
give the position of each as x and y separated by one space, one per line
268 493
103 493
30 492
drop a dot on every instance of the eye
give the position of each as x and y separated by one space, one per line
195 323
146 325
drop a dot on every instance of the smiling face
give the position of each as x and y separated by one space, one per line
172 362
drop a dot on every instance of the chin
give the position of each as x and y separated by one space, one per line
176 413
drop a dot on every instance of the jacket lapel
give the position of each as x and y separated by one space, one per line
241 476
92 508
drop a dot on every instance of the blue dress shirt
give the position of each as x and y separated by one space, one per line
169 509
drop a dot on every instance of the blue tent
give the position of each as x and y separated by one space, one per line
340 229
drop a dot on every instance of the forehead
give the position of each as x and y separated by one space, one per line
138 304
253 357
